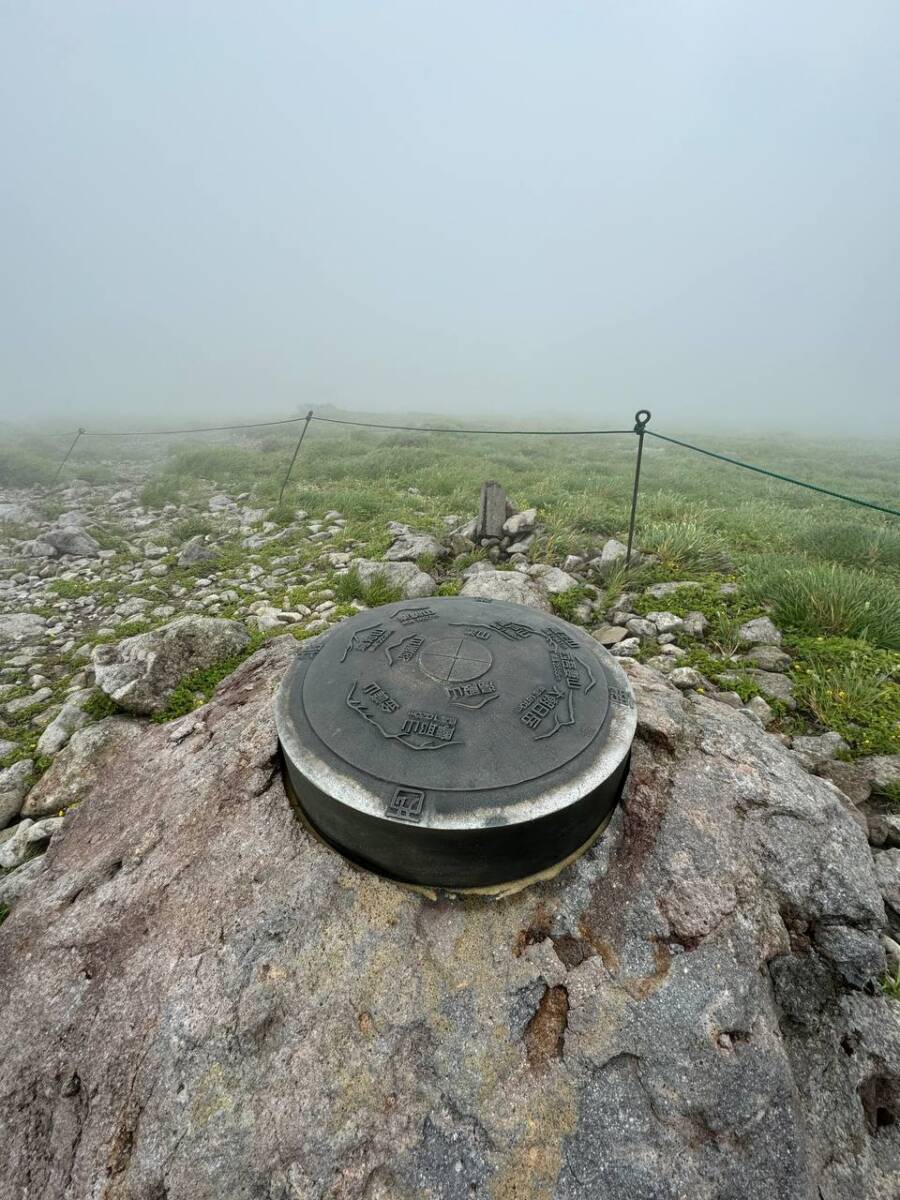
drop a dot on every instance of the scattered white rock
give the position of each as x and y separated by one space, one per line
665 622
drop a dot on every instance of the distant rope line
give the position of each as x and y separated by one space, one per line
736 462
450 429
639 428
203 429
358 424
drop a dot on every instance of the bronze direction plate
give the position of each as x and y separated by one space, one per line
455 742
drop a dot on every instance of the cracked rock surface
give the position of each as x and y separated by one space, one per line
201 1001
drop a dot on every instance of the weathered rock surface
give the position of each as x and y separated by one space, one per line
761 631
199 1000
506 585
141 672
19 627
552 580
195 551
409 547
71 540
412 583
69 718
13 786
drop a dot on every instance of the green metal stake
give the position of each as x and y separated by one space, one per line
68 452
640 424
296 452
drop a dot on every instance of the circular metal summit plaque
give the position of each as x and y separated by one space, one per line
455 742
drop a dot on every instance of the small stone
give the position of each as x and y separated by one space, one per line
627 648
686 677
768 658
70 718
659 590
196 551
665 622
672 651
14 884
520 523
816 750
14 782
573 562
760 631
612 554
695 624
732 699
758 708
887 872
891 954
775 686
24 702
15 847
556 582
609 635
409 547
641 627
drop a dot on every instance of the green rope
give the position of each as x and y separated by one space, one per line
774 474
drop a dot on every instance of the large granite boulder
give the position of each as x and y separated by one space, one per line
199 1000
140 673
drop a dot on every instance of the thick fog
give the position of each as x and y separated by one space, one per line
552 210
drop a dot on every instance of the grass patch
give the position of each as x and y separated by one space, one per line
852 687
22 468
565 605
377 591
853 543
71 589
193 526
683 546
890 986
100 706
833 600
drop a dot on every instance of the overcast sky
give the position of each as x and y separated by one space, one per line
488 206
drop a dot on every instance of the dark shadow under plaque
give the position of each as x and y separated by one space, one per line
453 742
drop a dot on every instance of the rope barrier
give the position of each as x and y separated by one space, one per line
204 429
447 429
641 420
736 462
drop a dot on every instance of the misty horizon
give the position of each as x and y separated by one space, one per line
556 215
